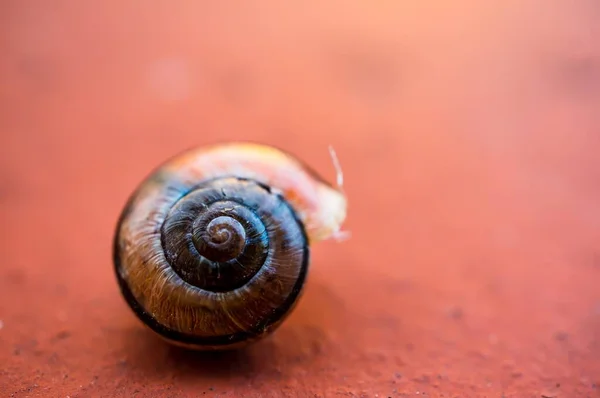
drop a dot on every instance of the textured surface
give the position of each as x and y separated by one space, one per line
469 135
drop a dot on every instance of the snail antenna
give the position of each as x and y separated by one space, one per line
339 174
340 235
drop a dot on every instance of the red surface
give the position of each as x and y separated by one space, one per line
469 136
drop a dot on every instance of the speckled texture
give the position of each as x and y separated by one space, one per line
469 136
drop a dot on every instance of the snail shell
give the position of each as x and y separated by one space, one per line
212 249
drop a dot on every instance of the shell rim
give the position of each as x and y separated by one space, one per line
222 341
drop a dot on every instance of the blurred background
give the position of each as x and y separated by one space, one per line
469 134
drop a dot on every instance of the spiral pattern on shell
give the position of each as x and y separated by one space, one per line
210 263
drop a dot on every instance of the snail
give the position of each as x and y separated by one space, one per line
211 250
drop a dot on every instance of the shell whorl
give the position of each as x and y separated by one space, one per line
221 263
216 238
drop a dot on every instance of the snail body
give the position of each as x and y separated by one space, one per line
212 249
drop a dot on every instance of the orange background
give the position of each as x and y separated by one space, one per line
469 134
